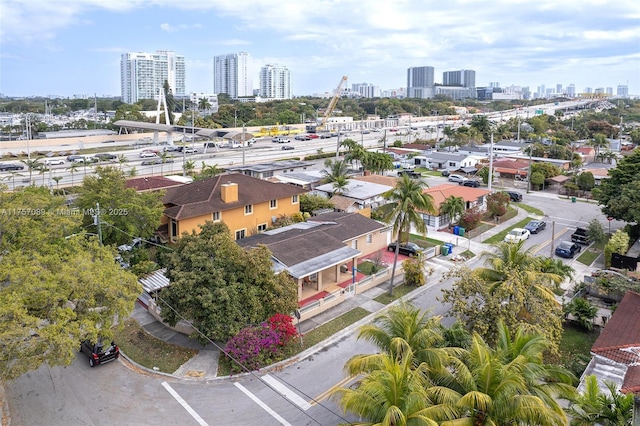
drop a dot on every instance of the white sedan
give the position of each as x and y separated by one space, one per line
517 235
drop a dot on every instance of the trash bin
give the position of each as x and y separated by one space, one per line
573 199
449 247
444 250
456 229
461 231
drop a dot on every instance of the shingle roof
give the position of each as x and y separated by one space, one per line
150 183
204 196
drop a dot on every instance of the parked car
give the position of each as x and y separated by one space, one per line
410 173
567 249
53 161
535 226
148 154
280 140
581 236
457 178
514 196
516 235
74 157
325 135
287 148
470 182
171 148
4 167
98 353
408 249
105 156
445 173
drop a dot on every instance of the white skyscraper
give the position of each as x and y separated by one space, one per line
232 75
420 82
142 75
275 82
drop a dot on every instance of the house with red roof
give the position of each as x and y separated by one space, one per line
473 197
616 352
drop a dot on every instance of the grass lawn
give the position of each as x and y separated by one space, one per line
398 292
531 210
425 242
148 351
575 346
500 235
311 338
588 256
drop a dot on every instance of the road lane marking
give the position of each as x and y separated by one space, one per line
262 405
324 395
286 392
184 404
544 243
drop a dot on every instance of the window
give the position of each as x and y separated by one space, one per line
267 175
354 244
174 229
262 227
240 234
273 204
248 209
294 199
369 238
215 216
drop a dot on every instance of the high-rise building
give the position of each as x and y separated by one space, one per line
571 90
142 75
232 75
463 78
365 90
275 82
622 91
420 82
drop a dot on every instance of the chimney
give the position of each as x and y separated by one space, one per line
229 192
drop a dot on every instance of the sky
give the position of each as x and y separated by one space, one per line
73 47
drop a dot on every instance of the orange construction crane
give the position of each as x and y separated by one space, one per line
337 94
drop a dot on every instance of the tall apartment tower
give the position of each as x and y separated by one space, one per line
463 78
420 82
622 91
232 75
275 82
571 90
142 75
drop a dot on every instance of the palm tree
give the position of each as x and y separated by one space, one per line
555 266
122 160
73 168
502 386
392 393
407 203
31 166
599 141
204 104
57 180
164 158
453 207
209 171
510 257
189 167
338 169
593 406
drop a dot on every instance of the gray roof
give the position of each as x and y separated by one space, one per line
444 156
358 189
143 125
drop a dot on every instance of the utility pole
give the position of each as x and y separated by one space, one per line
489 181
243 142
96 219
529 171
553 237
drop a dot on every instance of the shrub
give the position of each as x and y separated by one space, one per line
413 273
283 324
471 218
497 203
583 311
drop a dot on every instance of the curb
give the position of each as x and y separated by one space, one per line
6 414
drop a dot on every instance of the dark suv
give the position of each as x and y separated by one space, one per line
99 353
408 249
514 196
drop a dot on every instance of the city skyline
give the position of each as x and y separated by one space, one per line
53 49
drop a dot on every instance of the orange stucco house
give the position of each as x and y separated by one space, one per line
245 204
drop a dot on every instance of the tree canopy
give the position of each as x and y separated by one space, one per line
619 195
124 212
58 287
220 286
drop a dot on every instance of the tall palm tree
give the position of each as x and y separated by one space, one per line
73 168
407 202
510 257
57 180
32 165
189 167
453 207
204 104
393 391
207 171
599 141
337 170
493 386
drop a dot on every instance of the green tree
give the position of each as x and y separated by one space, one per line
586 181
619 195
598 142
189 168
407 203
124 212
32 165
618 243
537 179
452 207
336 174
207 171
596 232
310 203
583 312
58 288
73 169
221 287
497 203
